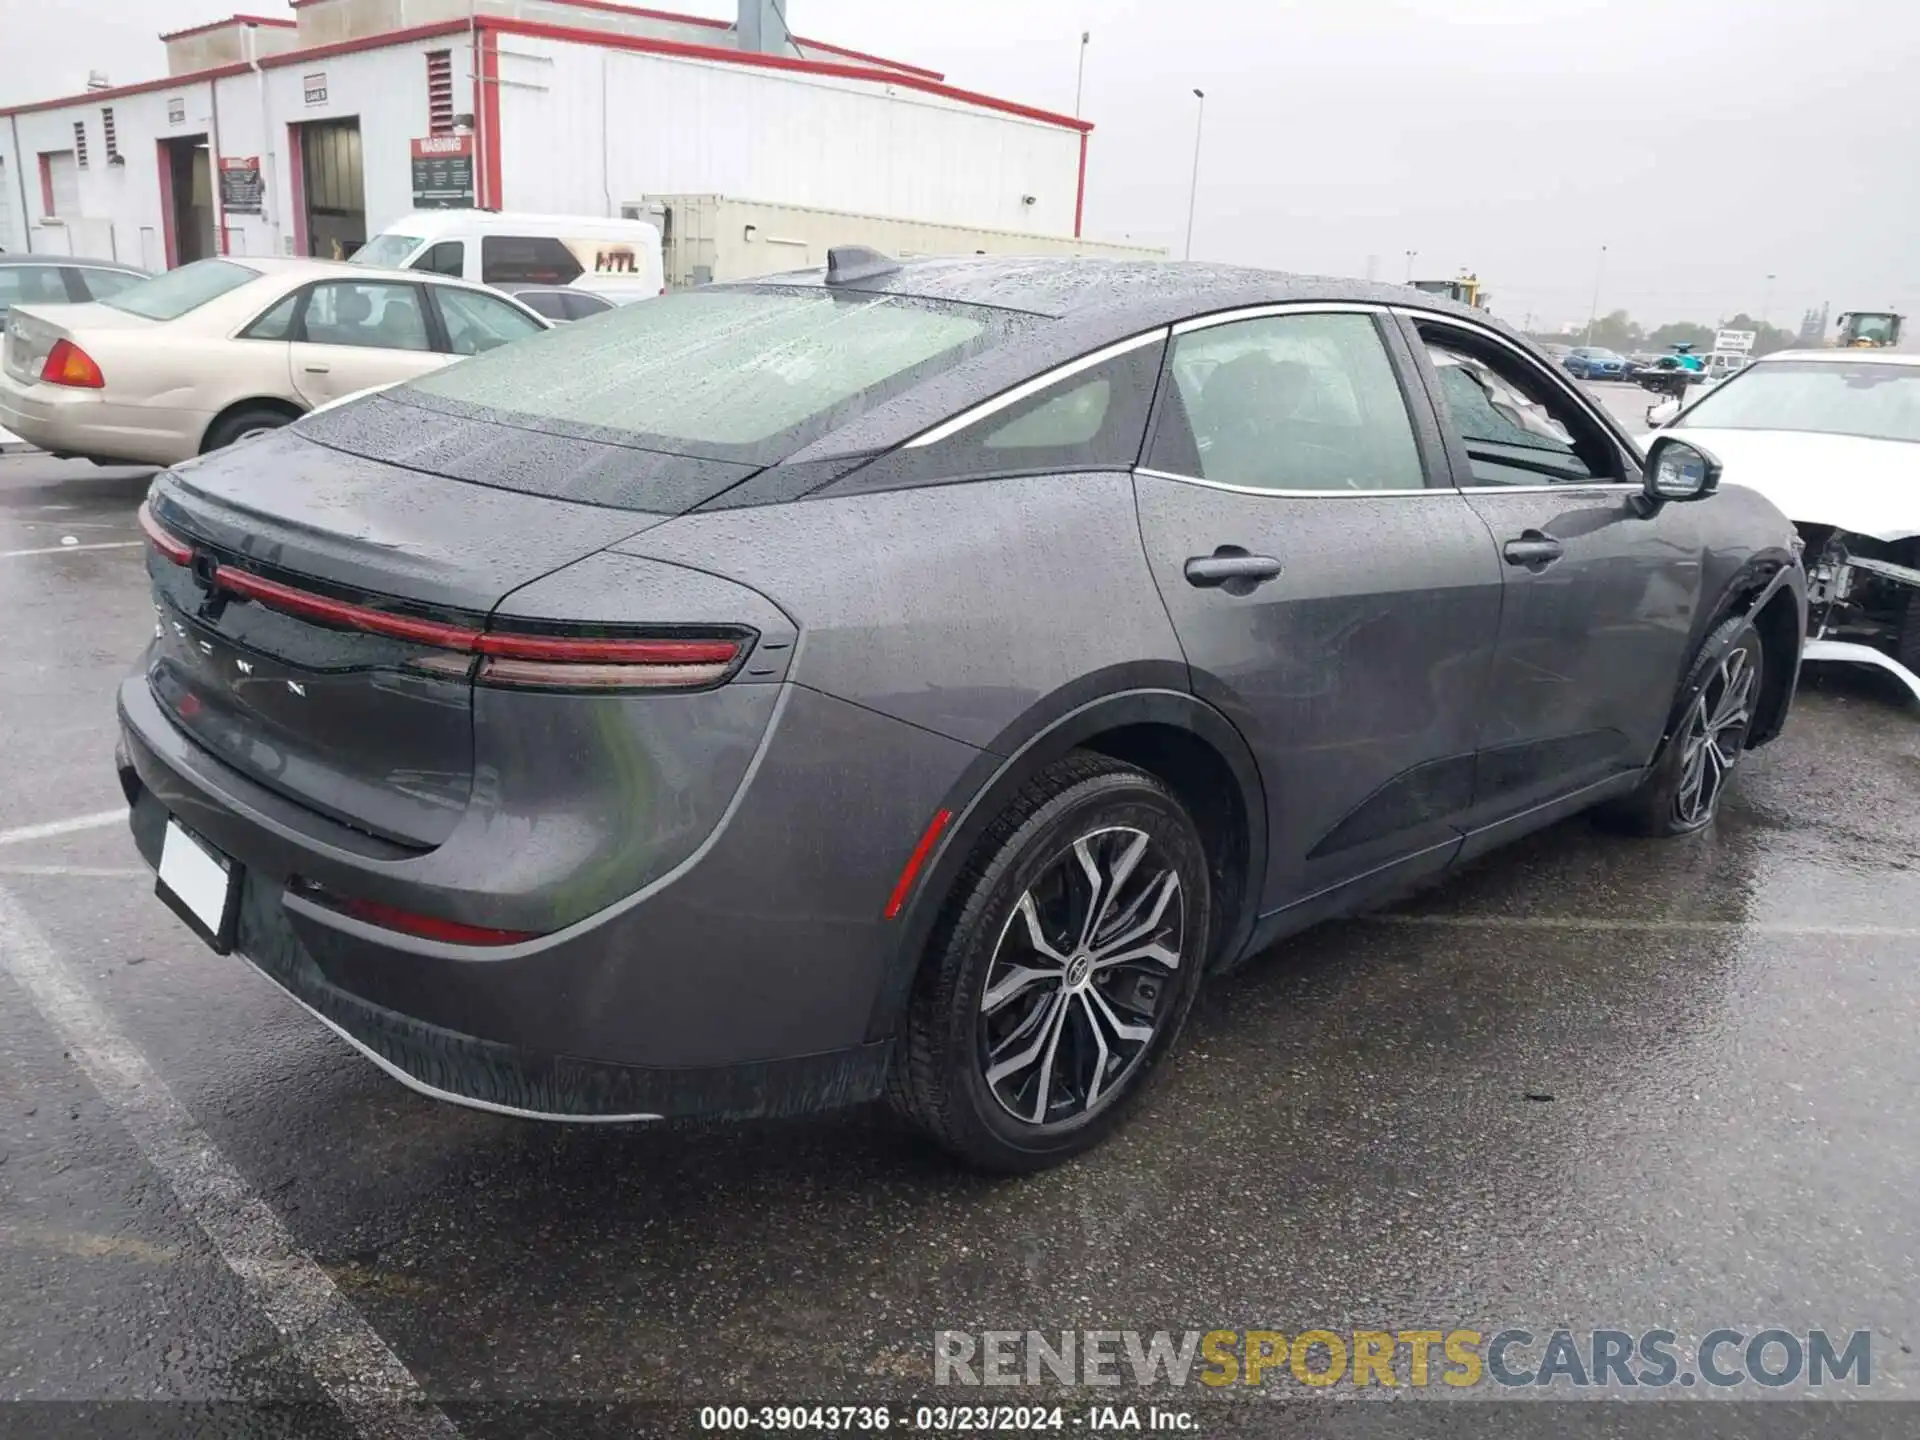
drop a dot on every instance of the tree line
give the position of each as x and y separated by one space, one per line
1619 331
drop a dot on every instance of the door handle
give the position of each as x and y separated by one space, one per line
1232 569
319 369
1533 550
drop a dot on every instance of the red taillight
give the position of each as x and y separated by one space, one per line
170 546
509 659
427 927
68 364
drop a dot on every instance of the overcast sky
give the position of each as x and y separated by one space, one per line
1705 143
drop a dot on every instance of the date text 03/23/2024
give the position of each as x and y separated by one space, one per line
948 1419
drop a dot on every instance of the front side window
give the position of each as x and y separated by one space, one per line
527 260
386 252
477 323
448 257
374 315
169 296
1288 403
1879 401
1517 430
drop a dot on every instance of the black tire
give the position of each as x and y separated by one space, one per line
1682 792
952 1042
242 423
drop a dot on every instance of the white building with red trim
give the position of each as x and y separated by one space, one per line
286 135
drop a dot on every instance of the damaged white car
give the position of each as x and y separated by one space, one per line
1833 438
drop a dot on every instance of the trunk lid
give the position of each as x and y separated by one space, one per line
345 722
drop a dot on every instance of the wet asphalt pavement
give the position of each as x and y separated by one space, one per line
1592 1082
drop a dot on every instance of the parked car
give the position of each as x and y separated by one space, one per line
60 280
1591 362
619 259
784 692
219 350
1830 437
560 303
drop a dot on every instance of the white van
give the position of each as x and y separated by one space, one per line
619 259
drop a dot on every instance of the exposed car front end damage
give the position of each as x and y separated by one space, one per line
1863 600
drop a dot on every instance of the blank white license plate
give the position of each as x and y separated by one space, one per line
200 882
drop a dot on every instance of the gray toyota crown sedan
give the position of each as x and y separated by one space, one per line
915 678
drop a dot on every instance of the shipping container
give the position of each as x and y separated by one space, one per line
705 238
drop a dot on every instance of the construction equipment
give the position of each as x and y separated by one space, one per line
1464 288
1869 330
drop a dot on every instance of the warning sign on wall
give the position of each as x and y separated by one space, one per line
443 172
240 187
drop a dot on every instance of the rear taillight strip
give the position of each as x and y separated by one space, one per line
535 661
170 546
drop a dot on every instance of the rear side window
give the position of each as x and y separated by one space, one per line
578 305
478 323
169 296
748 374
550 303
1091 419
102 283
1288 403
527 260
31 285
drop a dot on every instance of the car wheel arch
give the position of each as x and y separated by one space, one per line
1762 588
255 402
1163 729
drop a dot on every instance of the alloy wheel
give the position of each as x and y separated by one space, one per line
1712 738
1082 976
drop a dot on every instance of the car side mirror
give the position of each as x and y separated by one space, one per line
1677 470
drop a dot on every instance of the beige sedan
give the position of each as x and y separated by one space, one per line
199 357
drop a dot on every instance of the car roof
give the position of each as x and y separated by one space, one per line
431 224
37 259
1103 294
1846 356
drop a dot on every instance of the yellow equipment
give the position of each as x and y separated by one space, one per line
1869 330
1463 288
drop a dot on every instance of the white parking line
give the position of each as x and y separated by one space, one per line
80 872
1603 922
51 828
69 549
370 1384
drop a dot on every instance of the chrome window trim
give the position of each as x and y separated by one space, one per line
1282 307
1026 388
1399 494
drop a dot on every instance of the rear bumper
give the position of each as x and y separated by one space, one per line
87 422
740 983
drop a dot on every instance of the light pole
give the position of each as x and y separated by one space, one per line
1080 76
1193 190
1593 314
1766 302
1410 255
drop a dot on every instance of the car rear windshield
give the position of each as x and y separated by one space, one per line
1820 397
169 296
747 375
